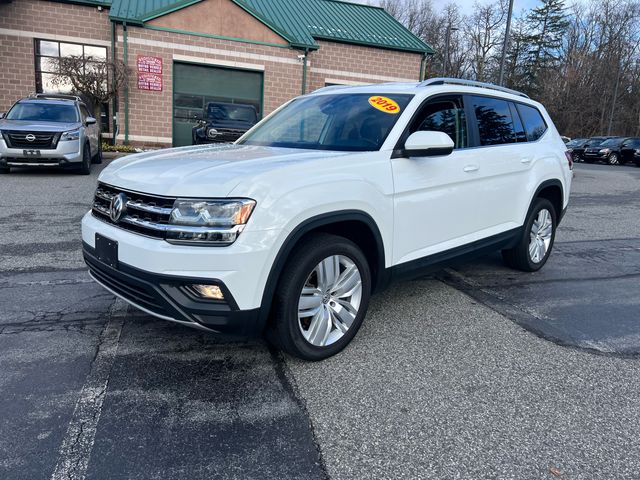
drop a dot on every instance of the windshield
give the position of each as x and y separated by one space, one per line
342 122
614 142
43 112
595 142
228 112
575 142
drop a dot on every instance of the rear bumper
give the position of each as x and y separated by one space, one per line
165 297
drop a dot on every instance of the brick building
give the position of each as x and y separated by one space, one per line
185 53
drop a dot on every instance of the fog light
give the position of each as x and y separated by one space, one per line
211 292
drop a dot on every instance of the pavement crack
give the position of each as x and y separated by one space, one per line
289 384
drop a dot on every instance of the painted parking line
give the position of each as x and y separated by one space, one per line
75 451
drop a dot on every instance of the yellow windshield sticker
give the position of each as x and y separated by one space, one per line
384 104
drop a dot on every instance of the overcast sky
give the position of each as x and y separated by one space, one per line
465 5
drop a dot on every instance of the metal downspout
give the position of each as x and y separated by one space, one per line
114 100
422 62
126 88
304 71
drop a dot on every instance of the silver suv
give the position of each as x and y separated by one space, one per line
47 130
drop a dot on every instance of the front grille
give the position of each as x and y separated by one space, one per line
128 287
144 214
227 135
32 140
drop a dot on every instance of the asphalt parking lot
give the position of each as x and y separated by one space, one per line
476 372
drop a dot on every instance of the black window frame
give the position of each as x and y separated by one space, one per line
476 127
399 152
544 121
104 108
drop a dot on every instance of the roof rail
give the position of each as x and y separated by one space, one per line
330 87
58 96
469 83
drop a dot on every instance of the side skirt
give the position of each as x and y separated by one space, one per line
437 261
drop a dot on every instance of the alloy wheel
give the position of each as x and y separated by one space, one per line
330 300
540 236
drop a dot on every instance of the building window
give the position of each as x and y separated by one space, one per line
47 53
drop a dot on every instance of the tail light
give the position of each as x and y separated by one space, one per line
569 156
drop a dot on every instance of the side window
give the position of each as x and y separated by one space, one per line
444 115
495 124
533 122
521 135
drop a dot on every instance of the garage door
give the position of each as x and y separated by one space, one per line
194 86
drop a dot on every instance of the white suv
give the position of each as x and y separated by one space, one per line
289 231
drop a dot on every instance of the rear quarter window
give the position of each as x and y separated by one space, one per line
534 124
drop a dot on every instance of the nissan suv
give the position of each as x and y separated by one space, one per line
289 231
48 130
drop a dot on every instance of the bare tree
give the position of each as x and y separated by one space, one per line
483 29
96 81
582 62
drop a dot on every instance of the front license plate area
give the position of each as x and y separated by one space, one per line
31 153
107 250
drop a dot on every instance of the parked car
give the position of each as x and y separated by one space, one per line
48 130
591 149
630 151
289 231
224 123
607 151
576 147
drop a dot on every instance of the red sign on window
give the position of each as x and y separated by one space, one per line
149 81
149 64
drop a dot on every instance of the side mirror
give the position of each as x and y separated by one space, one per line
2 114
428 144
90 121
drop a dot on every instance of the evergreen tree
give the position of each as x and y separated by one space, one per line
546 25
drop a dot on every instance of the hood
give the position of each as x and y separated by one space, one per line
201 171
35 126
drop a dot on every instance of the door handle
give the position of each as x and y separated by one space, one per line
526 160
471 168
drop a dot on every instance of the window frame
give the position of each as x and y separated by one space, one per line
515 103
544 121
399 152
106 127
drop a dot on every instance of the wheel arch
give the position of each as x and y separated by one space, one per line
553 191
355 225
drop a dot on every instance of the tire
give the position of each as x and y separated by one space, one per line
576 158
97 158
85 166
524 256
5 170
294 333
614 159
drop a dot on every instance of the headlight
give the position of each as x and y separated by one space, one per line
212 133
209 221
638 151
605 150
72 135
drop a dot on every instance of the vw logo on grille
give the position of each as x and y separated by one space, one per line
30 137
118 207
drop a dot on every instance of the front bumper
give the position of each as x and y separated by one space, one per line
594 156
167 298
160 269
65 154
